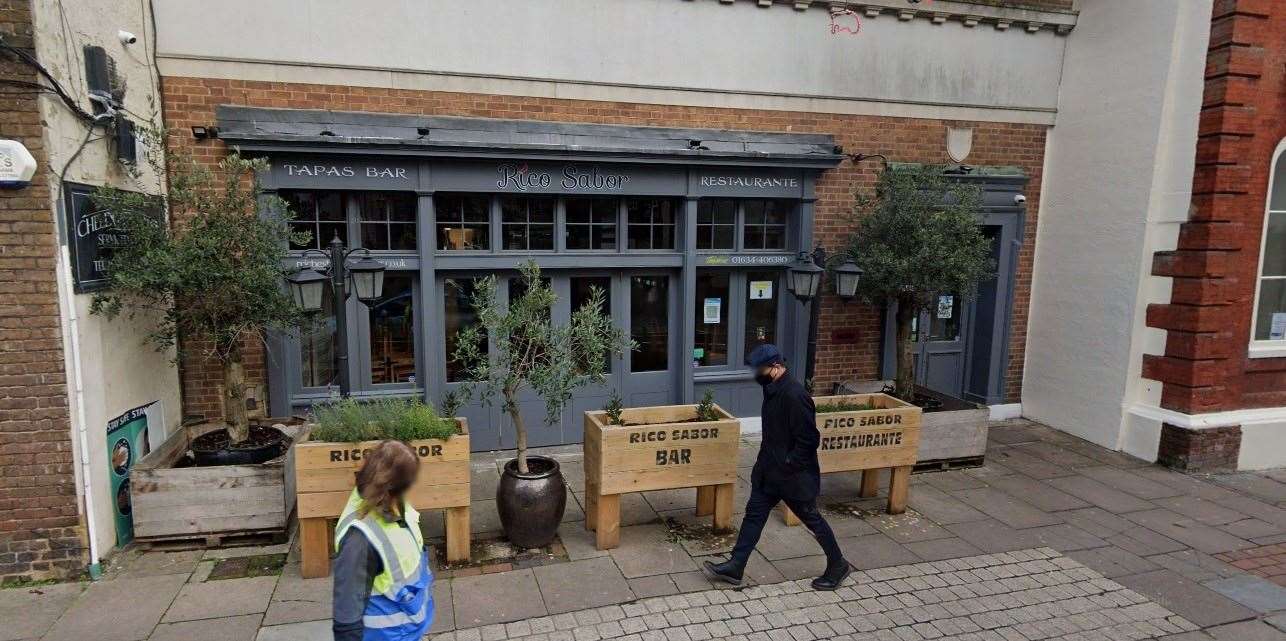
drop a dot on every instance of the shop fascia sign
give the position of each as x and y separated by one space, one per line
769 260
17 165
571 177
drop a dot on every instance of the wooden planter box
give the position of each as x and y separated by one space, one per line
869 440
956 432
659 448
325 476
211 503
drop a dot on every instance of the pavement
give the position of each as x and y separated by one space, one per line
1053 538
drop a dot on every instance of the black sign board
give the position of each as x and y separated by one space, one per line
92 237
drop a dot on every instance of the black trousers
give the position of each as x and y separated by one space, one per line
760 506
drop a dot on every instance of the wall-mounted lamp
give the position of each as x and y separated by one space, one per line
204 133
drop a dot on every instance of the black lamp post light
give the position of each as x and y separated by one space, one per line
804 281
365 276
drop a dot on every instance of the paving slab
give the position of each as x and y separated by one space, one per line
1112 561
635 510
119 610
1129 482
939 549
875 551
650 586
993 536
306 631
781 542
1253 529
29 612
665 500
443 608
138 563
1039 494
1251 591
907 527
1056 453
1025 463
804 567
298 599
948 481
942 507
1189 600
1195 565
1101 495
1201 510
581 584
1006 509
1246 631
245 550
646 550
1188 531
239 628
496 598
1262 486
224 598
1065 538
578 541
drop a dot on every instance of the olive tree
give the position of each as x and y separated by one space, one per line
528 350
203 264
915 238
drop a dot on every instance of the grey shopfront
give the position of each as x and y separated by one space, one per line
688 231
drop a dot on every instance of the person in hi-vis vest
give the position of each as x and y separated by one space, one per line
383 584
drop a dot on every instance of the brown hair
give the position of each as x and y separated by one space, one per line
388 472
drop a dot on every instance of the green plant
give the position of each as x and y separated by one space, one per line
401 419
613 409
705 409
917 237
845 406
451 402
530 351
204 264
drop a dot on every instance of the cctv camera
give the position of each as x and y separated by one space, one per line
126 37
1019 199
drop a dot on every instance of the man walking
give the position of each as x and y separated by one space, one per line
786 470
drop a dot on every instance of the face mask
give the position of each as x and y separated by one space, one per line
763 377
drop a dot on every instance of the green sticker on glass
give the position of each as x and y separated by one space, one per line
698 352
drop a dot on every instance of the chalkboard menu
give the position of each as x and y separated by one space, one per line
92 236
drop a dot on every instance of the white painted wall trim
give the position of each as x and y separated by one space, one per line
403 79
1006 411
1210 420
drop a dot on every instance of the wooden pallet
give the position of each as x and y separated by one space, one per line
220 540
947 464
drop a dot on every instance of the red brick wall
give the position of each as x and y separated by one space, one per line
191 101
1208 321
40 533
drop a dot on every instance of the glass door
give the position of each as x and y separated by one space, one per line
649 370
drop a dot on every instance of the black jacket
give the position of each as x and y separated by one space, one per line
787 464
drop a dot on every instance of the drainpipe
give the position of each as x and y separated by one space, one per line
78 393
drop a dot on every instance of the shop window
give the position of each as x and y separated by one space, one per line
459 313
388 221
650 323
1270 304
651 223
582 288
717 224
320 214
712 308
317 346
463 221
591 223
527 224
762 294
944 321
764 225
392 332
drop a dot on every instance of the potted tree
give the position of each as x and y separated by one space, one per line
916 238
531 352
204 266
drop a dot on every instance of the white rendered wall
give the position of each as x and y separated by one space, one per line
119 371
1117 183
667 51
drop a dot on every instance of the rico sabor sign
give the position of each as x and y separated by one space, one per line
571 178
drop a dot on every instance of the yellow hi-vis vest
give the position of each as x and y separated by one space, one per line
401 602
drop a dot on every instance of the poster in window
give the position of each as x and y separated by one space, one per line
760 290
1277 330
713 309
945 305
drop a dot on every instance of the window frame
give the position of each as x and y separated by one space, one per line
491 234
1267 348
736 307
498 206
789 233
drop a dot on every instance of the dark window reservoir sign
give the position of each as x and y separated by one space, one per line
92 234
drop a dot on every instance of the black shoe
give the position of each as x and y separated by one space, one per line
833 577
728 571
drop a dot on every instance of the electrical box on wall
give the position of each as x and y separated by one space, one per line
126 143
17 165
